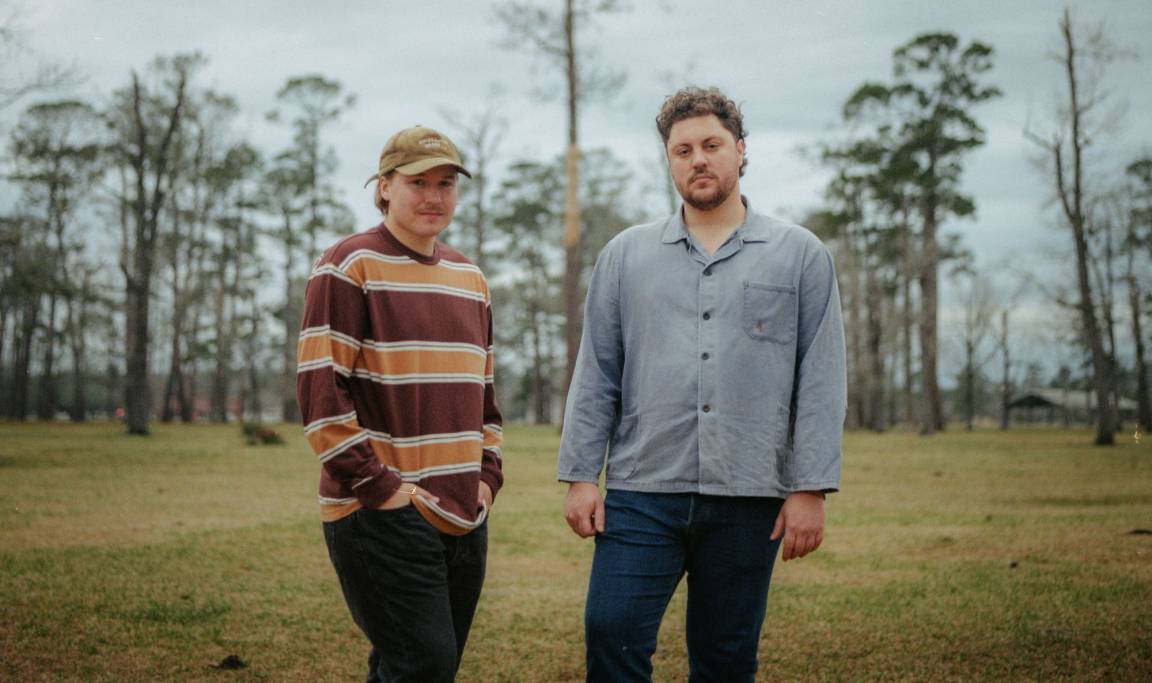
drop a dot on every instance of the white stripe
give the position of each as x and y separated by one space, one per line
314 364
321 363
325 421
413 476
424 346
419 378
342 446
362 481
493 427
372 256
387 286
466 267
329 269
315 332
414 441
456 519
336 501
496 451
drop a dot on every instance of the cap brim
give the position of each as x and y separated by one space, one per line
417 167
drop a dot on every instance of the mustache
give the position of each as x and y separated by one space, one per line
697 176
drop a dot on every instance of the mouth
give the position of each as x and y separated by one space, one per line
703 176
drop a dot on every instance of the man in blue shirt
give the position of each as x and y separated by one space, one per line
711 384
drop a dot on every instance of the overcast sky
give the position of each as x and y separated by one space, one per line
790 63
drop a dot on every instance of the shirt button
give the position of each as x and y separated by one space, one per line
707 408
705 355
707 316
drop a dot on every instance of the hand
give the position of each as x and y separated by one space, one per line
404 496
584 509
484 495
801 522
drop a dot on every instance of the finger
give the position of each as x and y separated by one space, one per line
578 523
584 527
789 546
599 515
803 545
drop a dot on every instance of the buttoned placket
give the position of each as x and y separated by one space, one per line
711 467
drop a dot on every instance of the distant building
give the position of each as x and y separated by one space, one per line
1063 406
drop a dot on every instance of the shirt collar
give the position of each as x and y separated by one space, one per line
754 229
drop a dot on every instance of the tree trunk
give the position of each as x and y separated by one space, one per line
46 394
1072 201
22 357
573 261
906 319
1006 377
1143 400
933 417
874 353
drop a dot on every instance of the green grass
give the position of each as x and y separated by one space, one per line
982 556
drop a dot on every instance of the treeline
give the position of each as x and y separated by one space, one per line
897 180
155 259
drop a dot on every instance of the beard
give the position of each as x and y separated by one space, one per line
707 199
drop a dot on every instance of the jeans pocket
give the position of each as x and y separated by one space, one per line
770 312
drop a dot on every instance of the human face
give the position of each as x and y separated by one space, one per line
704 160
420 206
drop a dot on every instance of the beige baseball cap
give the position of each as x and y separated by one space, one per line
415 150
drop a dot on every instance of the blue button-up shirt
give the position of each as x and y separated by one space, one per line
721 374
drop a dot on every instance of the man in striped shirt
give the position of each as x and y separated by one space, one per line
395 389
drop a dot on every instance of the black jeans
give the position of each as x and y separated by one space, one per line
411 589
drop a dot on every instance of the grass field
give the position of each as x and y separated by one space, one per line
982 556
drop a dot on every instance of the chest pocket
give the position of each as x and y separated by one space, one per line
770 312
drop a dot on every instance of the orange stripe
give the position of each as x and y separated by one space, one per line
427 455
437 521
330 512
364 269
313 348
492 439
421 361
329 436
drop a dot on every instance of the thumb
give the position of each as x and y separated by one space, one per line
778 529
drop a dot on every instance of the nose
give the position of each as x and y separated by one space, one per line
699 160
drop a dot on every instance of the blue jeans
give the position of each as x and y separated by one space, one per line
650 541
411 589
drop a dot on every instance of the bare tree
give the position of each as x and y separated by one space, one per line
978 306
302 188
146 119
481 137
1083 56
24 73
553 34
1138 245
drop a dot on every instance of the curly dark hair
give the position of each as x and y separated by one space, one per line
691 102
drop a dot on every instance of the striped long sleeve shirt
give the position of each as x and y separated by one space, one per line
395 380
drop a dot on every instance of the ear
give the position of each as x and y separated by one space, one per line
740 147
383 190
